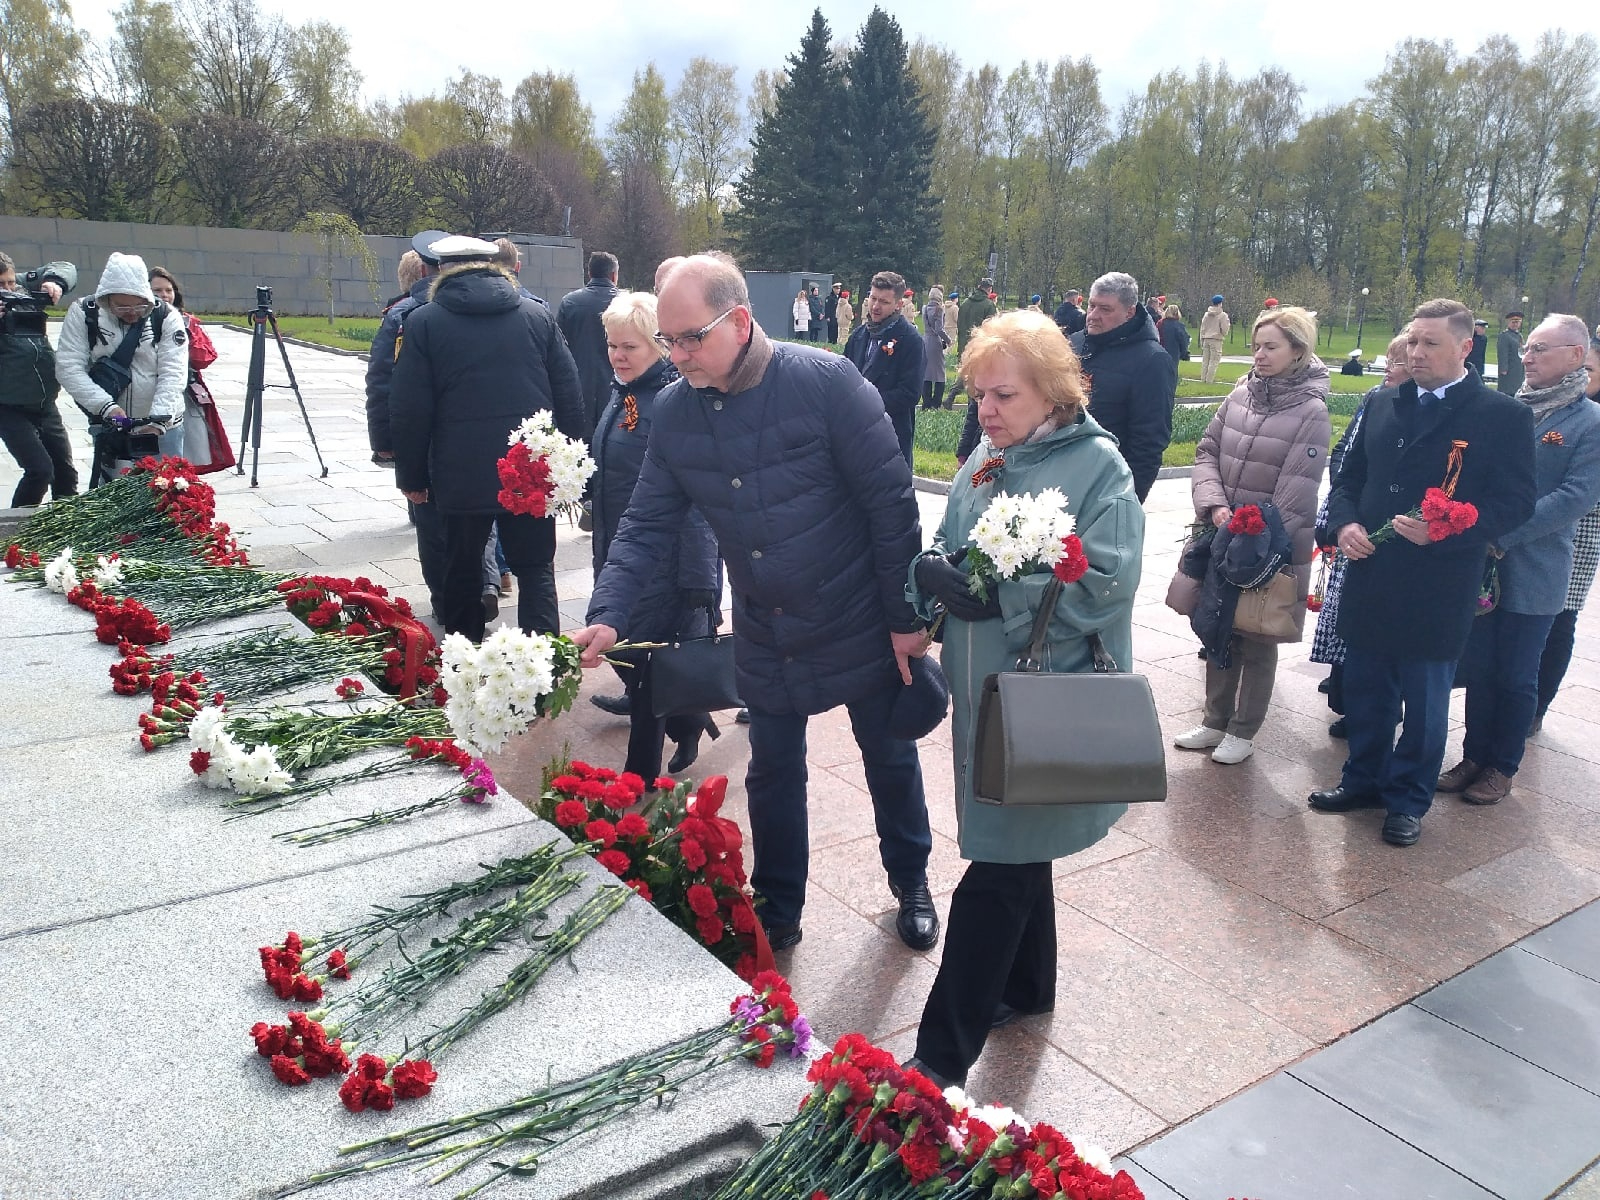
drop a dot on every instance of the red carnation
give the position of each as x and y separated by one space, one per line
414 1079
288 1071
352 1092
379 1096
664 783
1247 519
921 1160
603 832
199 761
372 1066
694 854
336 965
269 1039
614 861
571 813
1074 564
306 988
702 901
641 887
632 826
710 929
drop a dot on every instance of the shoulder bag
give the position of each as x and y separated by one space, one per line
1090 737
1271 609
694 675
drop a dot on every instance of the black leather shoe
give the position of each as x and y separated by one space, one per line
918 922
939 1080
1338 800
491 606
617 706
1401 830
742 717
1337 730
784 937
689 749
1004 1014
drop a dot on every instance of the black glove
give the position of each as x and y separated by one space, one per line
948 584
695 599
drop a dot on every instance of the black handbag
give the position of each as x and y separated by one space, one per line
694 675
1090 737
113 374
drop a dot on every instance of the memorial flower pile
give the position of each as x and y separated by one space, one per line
515 1136
360 608
318 1043
872 1128
476 786
678 854
161 506
1019 535
544 471
442 751
499 688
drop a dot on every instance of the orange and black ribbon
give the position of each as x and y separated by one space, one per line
988 469
630 413
1452 469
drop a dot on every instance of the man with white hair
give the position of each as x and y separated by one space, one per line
1501 664
1132 381
788 454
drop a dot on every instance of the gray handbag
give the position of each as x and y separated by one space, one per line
1086 737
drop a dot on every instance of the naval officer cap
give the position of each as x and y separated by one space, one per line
457 248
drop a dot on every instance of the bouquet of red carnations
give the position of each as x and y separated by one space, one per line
1445 517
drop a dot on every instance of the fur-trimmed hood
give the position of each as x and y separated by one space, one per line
475 289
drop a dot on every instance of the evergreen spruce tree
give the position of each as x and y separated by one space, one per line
792 194
890 216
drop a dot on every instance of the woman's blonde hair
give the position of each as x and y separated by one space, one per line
1296 324
1400 346
1034 343
1173 313
634 312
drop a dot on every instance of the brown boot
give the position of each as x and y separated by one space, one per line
1459 777
1490 788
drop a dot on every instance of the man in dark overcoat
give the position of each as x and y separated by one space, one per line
889 352
579 319
787 453
1408 602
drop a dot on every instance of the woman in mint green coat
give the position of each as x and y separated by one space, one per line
1000 943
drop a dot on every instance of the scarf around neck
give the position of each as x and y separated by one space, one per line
1567 390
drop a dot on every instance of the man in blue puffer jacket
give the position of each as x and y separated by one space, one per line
788 454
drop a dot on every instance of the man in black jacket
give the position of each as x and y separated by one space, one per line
579 318
785 451
1133 382
475 362
1409 601
1068 315
1478 358
888 351
830 313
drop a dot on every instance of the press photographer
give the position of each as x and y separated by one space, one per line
123 357
30 423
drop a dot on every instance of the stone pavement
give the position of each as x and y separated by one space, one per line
1206 943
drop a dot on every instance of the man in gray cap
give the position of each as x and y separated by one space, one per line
475 362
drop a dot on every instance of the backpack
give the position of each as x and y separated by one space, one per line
91 312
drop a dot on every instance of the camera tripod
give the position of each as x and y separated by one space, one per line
255 387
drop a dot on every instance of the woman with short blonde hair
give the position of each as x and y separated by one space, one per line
1297 325
1046 361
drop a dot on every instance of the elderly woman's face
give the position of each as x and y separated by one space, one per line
631 353
1010 407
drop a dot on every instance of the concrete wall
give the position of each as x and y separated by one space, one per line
220 268
772 296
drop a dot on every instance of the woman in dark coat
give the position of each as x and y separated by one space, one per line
686 589
1174 334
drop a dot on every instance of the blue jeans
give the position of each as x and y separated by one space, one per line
1402 773
1501 671
775 787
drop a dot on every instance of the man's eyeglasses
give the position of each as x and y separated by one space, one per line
690 342
1533 348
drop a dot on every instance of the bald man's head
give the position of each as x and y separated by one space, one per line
715 281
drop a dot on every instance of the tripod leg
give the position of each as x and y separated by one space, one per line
254 384
304 415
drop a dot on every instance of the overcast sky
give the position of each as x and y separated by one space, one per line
410 46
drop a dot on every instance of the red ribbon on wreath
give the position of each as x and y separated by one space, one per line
415 640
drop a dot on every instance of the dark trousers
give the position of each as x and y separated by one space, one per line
530 546
1501 671
1403 773
933 393
1336 688
999 945
39 443
1556 658
646 731
429 523
833 329
905 428
775 785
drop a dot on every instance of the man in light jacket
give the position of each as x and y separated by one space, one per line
94 328
1214 328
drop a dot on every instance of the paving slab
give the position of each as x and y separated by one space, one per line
1462 1101
1572 942
1283 1139
1532 1008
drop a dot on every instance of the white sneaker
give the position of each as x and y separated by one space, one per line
1201 737
1233 750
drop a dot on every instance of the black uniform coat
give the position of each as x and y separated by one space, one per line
800 477
474 363
1132 384
1418 602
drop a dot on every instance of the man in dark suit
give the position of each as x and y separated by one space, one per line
1478 358
1408 602
579 319
1508 373
887 349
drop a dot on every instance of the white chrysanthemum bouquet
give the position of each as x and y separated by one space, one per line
543 470
499 688
1019 535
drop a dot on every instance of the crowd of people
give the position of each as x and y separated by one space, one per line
786 469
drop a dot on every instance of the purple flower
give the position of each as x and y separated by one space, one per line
803 1041
477 774
750 1011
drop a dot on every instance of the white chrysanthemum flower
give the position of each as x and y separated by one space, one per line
60 575
206 730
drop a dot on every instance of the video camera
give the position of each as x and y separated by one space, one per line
24 308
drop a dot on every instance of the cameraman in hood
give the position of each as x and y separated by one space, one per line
30 423
123 356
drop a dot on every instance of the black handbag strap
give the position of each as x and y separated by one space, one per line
129 346
711 623
1033 660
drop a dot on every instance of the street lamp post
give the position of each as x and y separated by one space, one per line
1361 322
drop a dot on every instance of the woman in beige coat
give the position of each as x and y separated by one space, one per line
1268 441
847 316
